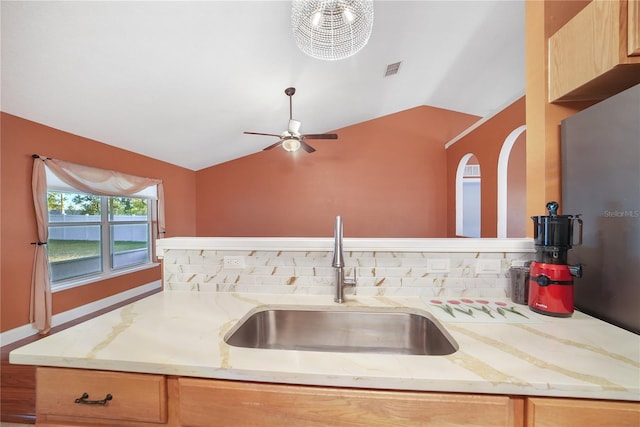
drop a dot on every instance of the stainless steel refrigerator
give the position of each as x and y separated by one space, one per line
601 181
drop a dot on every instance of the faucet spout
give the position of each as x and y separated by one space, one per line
338 257
338 263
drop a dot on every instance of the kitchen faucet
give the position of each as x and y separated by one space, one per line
338 263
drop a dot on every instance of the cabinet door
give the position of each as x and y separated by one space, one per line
134 397
204 403
588 58
555 412
633 28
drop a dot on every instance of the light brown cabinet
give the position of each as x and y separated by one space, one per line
135 398
145 400
249 404
556 412
596 54
633 31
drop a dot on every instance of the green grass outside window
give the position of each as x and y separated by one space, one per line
61 250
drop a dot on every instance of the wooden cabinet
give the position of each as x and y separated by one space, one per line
633 31
556 412
596 54
228 403
143 400
135 398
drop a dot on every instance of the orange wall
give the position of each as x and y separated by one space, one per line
485 142
22 138
386 177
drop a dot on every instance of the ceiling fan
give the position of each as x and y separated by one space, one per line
292 139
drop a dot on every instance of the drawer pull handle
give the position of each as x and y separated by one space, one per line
83 400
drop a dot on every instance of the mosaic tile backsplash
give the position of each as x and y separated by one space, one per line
480 274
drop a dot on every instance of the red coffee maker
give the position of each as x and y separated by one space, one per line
550 277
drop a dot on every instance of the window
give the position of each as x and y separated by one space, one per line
76 186
93 235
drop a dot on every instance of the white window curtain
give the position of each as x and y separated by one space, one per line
87 179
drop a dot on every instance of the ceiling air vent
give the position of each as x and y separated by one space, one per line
392 69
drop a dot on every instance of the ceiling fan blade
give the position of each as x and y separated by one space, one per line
321 136
306 147
260 133
273 145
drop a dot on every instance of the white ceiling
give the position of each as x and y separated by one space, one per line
180 81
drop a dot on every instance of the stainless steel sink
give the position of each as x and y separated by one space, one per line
351 330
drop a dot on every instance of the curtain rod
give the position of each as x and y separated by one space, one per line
38 156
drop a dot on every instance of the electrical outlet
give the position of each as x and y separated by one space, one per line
518 263
488 266
233 261
438 265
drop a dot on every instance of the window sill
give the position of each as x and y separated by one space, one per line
85 280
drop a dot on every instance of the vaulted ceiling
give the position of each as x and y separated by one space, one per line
180 81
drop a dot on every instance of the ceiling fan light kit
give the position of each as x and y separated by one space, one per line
331 29
291 144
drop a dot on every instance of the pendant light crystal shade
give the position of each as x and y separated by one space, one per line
331 29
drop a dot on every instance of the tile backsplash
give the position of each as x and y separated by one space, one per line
379 273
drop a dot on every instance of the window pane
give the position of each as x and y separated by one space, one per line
73 207
74 251
129 245
128 209
87 230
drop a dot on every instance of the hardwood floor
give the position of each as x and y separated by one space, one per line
18 382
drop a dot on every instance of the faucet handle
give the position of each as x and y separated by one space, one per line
353 281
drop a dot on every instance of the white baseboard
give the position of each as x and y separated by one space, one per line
25 331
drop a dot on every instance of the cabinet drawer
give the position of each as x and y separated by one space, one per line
558 412
135 397
204 403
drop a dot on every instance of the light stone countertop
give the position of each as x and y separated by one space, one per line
181 333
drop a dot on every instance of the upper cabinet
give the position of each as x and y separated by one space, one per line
633 31
597 53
